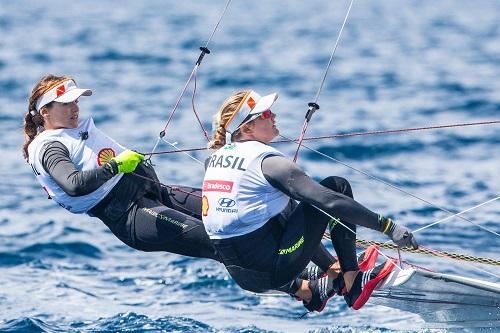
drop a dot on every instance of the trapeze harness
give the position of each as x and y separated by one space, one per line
70 164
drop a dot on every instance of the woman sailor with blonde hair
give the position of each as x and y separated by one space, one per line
263 238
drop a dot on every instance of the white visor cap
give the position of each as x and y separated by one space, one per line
253 104
65 92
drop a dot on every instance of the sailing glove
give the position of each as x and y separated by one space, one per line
125 162
402 236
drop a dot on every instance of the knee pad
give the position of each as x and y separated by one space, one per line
338 184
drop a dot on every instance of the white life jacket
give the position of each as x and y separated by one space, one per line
237 198
88 149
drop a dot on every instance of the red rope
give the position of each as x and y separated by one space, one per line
173 188
179 98
301 138
410 129
345 135
194 110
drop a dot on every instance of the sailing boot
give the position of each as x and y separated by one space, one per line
365 283
322 290
366 261
368 258
312 272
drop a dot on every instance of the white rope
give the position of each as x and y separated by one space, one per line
154 148
399 189
457 214
193 73
333 52
447 218
174 144
395 187
485 271
218 22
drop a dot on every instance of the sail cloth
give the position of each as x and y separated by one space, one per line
442 300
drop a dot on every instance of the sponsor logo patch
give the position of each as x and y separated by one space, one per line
292 248
226 202
217 186
204 206
105 155
60 90
251 102
225 205
165 218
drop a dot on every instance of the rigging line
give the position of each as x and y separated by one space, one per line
176 105
352 134
174 144
438 254
218 22
313 106
391 131
392 186
333 52
412 265
443 254
426 251
460 213
395 262
429 251
205 133
204 50
172 187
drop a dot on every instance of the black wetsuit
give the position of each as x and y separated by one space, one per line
272 258
141 213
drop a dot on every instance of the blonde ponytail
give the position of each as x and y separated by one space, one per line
230 106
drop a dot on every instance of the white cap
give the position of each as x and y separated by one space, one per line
65 92
253 104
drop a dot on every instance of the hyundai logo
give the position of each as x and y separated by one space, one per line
226 202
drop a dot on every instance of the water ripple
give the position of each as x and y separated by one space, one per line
62 250
139 58
393 69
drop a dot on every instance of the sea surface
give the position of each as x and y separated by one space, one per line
400 64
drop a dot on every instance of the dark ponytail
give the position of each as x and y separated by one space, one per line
31 125
33 120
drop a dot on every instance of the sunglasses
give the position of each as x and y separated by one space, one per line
264 115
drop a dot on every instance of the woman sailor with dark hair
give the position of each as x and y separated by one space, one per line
85 171
247 192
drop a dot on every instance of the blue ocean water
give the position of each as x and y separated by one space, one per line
399 64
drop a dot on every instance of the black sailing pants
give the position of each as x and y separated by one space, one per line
270 258
150 217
